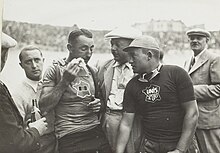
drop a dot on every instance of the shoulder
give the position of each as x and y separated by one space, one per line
103 64
93 69
172 68
211 55
55 67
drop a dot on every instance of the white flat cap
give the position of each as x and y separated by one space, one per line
147 42
198 32
124 32
7 41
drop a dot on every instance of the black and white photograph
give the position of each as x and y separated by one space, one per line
110 76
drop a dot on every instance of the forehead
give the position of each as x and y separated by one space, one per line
84 41
134 51
120 41
34 53
197 36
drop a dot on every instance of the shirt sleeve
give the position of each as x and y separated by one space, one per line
184 86
50 77
129 98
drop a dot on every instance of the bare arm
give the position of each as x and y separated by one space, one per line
50 95
189 126
124 131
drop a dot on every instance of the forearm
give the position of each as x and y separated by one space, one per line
124 132
50 98
204 92
188 131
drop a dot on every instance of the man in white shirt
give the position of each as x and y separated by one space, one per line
113 76
31 61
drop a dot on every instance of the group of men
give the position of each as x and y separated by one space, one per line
131 103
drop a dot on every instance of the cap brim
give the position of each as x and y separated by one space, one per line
127 49
7 41
197 34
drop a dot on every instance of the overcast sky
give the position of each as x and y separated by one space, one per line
107 14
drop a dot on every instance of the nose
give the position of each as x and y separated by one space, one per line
33 64
89 53
131 61
113 48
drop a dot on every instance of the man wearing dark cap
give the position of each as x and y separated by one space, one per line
163 95
114 75
69 87
14 137
204 69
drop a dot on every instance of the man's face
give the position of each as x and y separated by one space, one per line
4 55
139 60
83 48
117 46
197 43
32 63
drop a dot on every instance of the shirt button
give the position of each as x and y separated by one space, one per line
168 119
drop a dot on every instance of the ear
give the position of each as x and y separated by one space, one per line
69 46
149 54
207 39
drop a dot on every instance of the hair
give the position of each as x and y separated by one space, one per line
161 55
78 32
28 48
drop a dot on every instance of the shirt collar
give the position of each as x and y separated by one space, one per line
32 83
117 64
198 56
146 77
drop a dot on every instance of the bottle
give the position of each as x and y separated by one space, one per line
35 112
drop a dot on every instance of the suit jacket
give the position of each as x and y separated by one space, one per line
13 136
205 75
105 75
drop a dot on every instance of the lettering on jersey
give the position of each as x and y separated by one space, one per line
152 93
82 89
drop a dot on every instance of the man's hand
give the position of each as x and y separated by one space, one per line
95 105
40 125
70 72
175 151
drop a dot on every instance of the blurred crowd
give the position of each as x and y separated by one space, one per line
53 37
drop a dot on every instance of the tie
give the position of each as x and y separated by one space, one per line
192 62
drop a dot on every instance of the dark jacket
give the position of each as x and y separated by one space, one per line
13 136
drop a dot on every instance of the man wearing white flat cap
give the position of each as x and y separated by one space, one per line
113 76
204 69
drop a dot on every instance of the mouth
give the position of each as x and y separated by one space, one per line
36 71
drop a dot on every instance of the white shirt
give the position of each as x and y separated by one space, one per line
122 75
